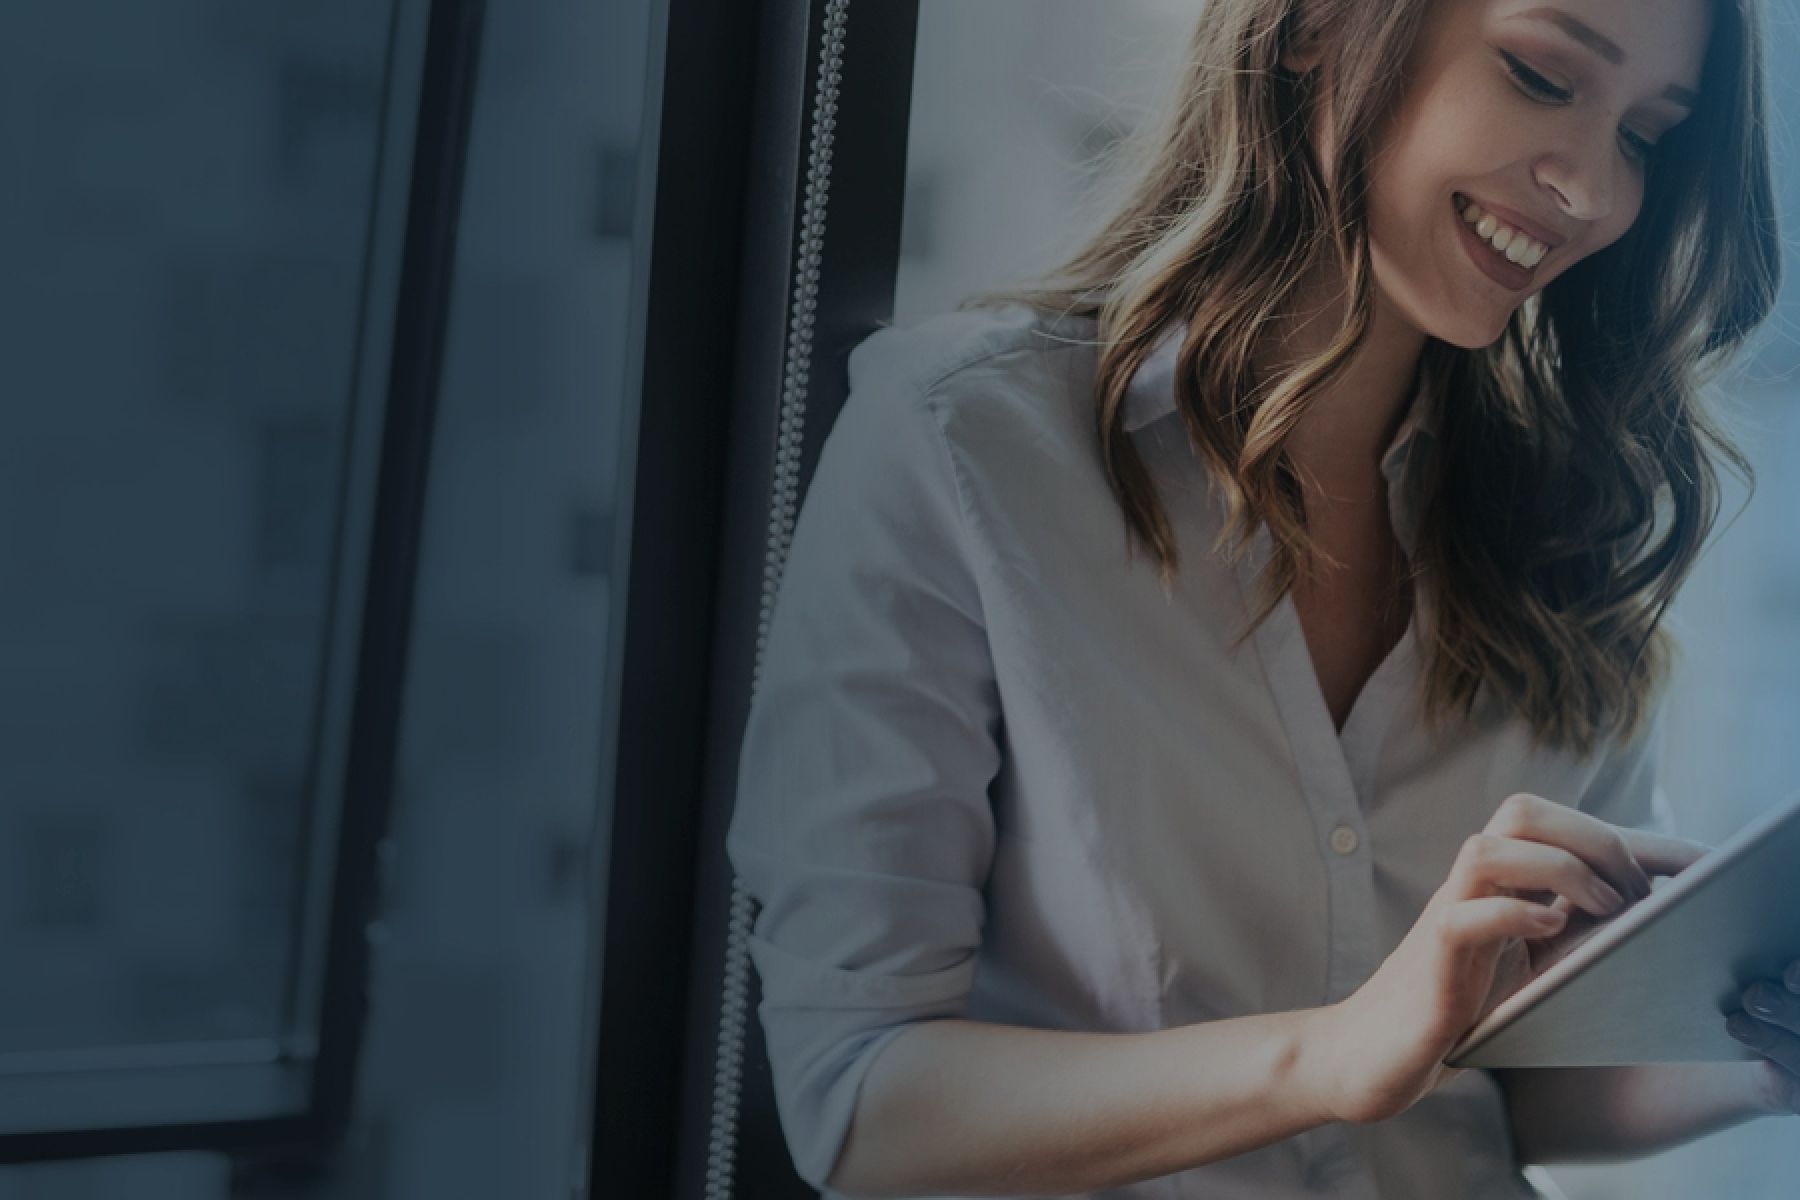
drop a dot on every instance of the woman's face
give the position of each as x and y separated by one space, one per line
1542 115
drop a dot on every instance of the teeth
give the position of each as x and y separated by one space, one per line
1513 245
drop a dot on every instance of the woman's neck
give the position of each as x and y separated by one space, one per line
1337 447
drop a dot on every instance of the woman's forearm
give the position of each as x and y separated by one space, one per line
968 1107
1602 1114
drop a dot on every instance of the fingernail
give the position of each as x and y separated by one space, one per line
1609 896
1761 999
1742 1028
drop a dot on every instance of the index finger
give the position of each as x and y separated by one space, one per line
1602 846
1661 853
1612 851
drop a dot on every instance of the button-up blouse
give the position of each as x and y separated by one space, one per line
993 770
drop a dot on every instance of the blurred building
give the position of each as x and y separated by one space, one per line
199 228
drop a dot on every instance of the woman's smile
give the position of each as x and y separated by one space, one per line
1493 263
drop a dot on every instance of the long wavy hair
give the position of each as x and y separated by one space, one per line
1577 473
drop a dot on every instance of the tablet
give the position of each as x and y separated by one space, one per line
1654 983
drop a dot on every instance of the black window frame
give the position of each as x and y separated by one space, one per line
732 147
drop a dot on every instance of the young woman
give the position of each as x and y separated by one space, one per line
1203 685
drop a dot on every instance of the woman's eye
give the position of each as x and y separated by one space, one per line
1641 147
1638 148
1534 83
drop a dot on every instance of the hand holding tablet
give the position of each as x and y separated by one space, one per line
1485 932
1674 978
1774 1033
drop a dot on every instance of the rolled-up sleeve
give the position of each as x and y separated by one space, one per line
862 823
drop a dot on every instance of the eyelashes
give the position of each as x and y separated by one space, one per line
1545 92
1535 83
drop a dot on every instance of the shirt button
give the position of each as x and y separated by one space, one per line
1344 840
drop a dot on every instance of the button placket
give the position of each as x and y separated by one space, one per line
1325 779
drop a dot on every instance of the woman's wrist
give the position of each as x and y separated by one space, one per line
1292 1071
1316 1076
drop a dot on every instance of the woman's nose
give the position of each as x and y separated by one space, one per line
1579 180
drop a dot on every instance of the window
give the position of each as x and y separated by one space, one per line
201 218
316 311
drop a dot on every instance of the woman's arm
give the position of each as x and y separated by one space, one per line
1602 1114
964 1106
1575 1114
951 1105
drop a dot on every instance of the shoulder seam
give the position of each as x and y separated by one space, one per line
929 396
965 522
982 353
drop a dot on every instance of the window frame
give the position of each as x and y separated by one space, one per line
725 197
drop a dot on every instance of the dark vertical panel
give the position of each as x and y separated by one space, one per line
453 42
701 159
858 273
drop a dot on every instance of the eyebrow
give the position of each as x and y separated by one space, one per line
1605 47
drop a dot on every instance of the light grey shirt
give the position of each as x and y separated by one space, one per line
993 771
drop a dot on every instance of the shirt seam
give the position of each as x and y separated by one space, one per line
932 399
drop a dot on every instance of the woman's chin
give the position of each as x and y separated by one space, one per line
1470 333
1467 321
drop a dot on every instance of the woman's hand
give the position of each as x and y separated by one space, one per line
1491 928
1770 1025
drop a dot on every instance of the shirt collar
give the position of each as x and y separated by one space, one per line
1151 396
1151 393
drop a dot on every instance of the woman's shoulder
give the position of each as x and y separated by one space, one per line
981 369
958 355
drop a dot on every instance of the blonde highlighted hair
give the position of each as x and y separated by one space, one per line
1577 477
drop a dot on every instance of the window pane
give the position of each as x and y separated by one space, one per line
185 229
1056 83
477 1049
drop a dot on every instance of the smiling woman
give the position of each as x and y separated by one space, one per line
1601 208
1562 164
1569 369
1085 874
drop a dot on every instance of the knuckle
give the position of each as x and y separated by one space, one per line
1518 810
1476 851
1771 1003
